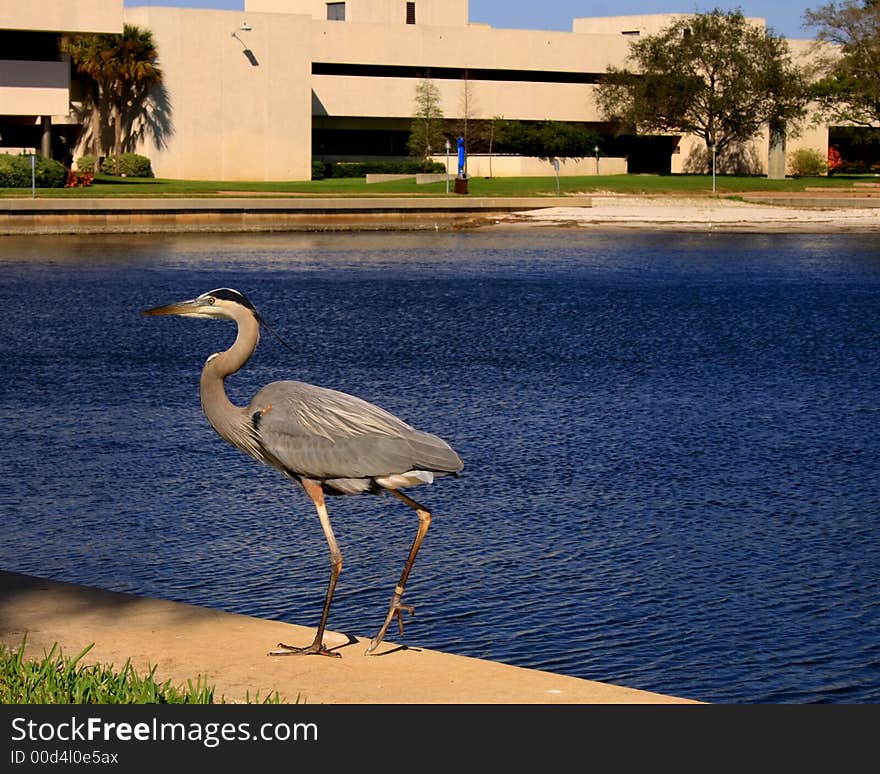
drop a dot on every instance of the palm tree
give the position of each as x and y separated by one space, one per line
122 69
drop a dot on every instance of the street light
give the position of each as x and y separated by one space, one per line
244 27
249 55
596 151
448 148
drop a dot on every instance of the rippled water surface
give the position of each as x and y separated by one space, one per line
671 442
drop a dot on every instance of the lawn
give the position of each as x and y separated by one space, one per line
107 186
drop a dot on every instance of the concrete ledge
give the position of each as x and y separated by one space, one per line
184 641
259 213
291 204
382 177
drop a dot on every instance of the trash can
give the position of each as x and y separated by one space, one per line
461 185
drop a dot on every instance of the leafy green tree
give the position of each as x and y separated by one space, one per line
426 133
121 70
849 89
713 75
545 139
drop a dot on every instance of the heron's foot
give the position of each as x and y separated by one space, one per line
316 648
395 611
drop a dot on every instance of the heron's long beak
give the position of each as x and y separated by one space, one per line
192 306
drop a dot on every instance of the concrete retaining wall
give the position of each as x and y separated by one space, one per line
485 165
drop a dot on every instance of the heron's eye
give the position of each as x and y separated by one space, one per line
211 300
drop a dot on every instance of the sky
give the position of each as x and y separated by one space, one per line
785 17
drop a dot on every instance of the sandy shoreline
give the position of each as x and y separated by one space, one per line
702 214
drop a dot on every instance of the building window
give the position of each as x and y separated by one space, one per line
335 11
632 33
410 13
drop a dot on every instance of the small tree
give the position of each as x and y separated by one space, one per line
426 135
713 75
849 89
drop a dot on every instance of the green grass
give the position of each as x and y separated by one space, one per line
106 186
59 679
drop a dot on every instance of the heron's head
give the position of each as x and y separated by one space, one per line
219 304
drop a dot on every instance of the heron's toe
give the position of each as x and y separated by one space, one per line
315 649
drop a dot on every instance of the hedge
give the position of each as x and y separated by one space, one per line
130 165
807 162
363 168
87 164
15 172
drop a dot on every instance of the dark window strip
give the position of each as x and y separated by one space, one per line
451 73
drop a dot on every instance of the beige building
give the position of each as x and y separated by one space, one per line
35 76
258 94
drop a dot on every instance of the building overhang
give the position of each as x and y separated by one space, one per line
62 15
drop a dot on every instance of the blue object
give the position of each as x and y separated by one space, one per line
461 156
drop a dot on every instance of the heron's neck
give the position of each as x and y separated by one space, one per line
225 417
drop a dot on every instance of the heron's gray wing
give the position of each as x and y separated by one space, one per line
324 434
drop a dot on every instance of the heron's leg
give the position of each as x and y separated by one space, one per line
396 609
314 490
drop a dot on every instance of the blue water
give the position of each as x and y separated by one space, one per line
672 443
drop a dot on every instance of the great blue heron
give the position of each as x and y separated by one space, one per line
329 442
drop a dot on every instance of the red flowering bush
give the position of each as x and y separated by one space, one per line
835 161
74 180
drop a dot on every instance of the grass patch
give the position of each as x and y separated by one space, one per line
108 186
59 679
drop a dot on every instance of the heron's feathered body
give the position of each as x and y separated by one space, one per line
328 441
350 445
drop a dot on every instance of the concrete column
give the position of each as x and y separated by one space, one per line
776 153
46 142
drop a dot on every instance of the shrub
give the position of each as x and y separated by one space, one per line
362 169
807 162
130 165
49 173
12 173
15 172
318 170
87 164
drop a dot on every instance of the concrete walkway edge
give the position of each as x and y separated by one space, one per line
184 641
260 213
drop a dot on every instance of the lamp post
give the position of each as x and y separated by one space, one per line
448 148
713 165
596 151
